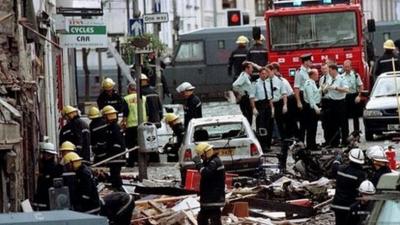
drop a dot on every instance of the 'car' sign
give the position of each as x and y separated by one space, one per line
84 33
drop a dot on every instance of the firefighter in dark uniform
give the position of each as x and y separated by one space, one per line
299 81
178 131
238 56
212 184
85 197
243 88
262 106
118 208
362 209
192 107
76 131
353 97
258 54
336 108
348 179
153 102
109 96
379 163
115 145
98 134
384 63
48 170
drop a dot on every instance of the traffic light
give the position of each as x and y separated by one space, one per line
234 17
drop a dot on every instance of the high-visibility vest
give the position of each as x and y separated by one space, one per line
131 100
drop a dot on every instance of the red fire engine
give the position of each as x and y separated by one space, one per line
329 29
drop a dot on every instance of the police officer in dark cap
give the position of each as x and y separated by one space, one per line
299 81
258 53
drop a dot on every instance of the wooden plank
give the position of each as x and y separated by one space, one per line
164 200
190 217
156 207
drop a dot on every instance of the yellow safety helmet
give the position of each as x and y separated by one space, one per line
73 158
242 40
389 44
94 113
204 148
68 109
108 109
108 84
143 77
67 146
170 117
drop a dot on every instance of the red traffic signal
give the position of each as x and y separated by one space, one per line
234 17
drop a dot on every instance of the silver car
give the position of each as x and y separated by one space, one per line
231 136
381 111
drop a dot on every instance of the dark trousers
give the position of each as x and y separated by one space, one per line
354 111
210 216
131 141
291 127
246 109
280 119
324 117
264 124
344 217
115 175
337 122
302 119
311 126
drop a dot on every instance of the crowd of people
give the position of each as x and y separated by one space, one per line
262 92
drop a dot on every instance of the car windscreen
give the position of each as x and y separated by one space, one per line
390 213
320 30
386 87
218 131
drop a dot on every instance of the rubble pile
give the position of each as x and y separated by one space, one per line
285 201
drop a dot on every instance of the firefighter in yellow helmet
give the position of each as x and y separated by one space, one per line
384 63
238 56
114 144
84 196
66 147
172 147
110 97
98 133
212 184
76 131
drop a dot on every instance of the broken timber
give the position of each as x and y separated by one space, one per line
272 205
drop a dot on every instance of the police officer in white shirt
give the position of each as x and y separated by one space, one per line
263 108
324 81
299 80
336 93
243 87
353 97
312 98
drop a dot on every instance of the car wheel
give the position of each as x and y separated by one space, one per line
369 135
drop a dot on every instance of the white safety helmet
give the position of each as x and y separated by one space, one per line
185 86
376 153
49 148
356 155
367 187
